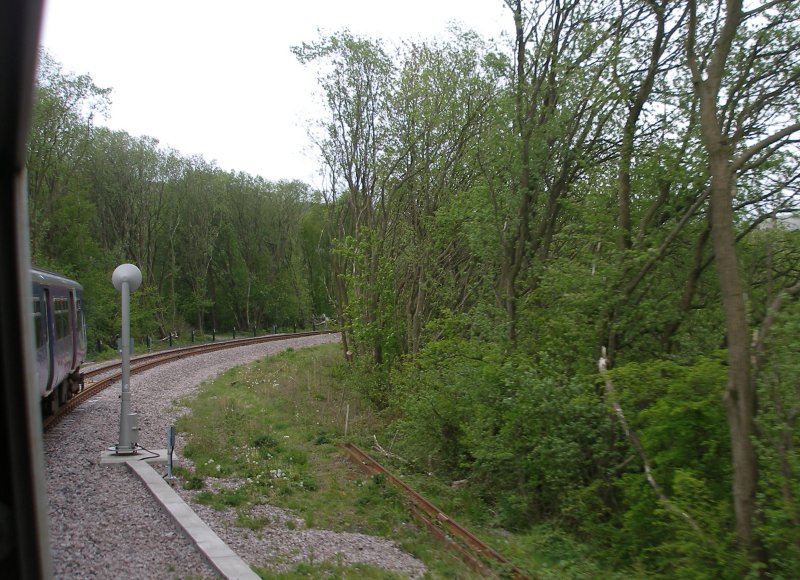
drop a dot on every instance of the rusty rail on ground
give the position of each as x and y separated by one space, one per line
479 556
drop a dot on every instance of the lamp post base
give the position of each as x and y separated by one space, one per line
120 450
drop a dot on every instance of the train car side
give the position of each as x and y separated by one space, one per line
60 335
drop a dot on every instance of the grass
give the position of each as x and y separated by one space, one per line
333 571
273 426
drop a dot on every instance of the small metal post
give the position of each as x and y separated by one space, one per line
274 329
149 343
170 449
213 335
170 338
234 332
192 336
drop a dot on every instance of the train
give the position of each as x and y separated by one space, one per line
59 325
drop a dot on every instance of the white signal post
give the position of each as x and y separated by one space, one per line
126 279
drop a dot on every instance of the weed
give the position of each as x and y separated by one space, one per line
193 482
225 498
337 570
297 457
265 441
322 438
245 521
308 483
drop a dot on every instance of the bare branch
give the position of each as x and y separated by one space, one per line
766 325
765 142
611 395
763 8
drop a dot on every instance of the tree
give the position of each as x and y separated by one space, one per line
743 68
62 129
439 114
199 213
315 247
354 149
548 134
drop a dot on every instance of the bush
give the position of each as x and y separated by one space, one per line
527 438
678 415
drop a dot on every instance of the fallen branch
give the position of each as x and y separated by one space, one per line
386 453
611 395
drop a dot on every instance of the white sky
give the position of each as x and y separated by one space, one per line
216 77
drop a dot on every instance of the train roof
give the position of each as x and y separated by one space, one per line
52 278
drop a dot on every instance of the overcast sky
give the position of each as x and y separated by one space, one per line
216 77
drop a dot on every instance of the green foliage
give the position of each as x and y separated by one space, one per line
322 439
216 249
222 499
679 418
334 571
528 439
193 482
64 108
471 242
779 444
677 414
537 446
254 433
433 393
553 554
266 442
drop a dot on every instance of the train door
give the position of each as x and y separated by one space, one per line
63 348
80 328
74 332
44 344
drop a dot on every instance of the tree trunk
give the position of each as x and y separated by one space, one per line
740 396
740 393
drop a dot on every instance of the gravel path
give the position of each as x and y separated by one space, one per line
104 523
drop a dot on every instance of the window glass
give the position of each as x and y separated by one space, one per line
61 311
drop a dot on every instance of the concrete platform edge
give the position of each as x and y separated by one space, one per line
207 542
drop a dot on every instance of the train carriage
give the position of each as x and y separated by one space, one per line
60 335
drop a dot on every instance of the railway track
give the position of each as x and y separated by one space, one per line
95 381
479 556
482 558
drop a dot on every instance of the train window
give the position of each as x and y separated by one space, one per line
37 321
61 311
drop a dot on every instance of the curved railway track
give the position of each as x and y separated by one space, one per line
482 558
94 379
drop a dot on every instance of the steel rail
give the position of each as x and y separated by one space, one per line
149 361
204 347
475 552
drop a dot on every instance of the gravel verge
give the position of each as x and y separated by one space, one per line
104 524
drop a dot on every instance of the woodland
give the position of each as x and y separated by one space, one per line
565 263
